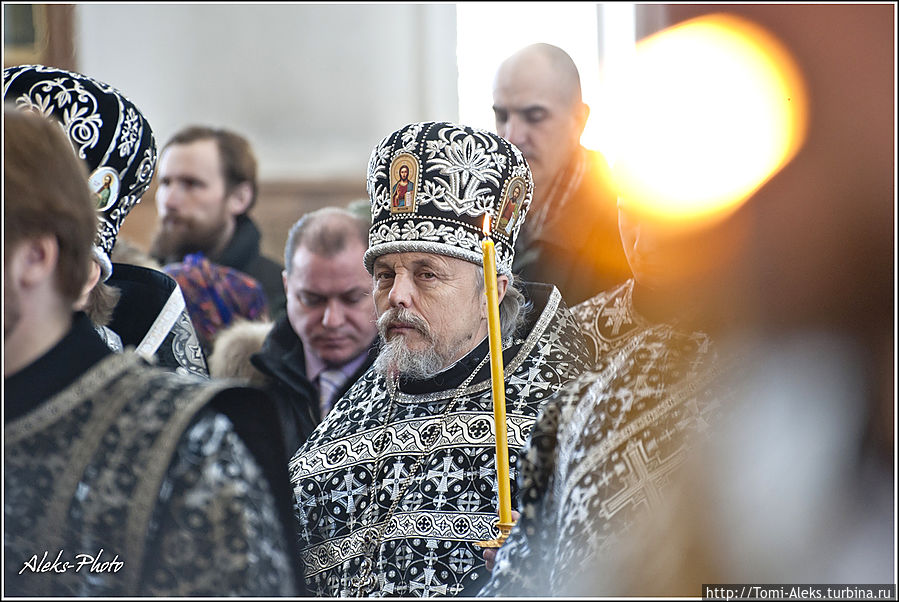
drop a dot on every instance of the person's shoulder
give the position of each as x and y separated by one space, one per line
600 300
597 162
268 272
549 317
143 289
169 401
269 263
597 178
545 301
253 412
159 384
234 347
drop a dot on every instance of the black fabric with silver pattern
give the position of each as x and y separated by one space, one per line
151 317
130 459
110 133
605 448
105 128
464 174
427 548
607 320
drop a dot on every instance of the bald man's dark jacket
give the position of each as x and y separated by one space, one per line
579 246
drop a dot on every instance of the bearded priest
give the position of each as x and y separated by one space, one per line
397 485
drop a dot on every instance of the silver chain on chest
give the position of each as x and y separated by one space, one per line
366 582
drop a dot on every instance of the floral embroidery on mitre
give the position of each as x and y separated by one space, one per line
105 129
431 184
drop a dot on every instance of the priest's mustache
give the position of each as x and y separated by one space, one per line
405 317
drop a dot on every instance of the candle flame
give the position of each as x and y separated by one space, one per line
709 111
486 226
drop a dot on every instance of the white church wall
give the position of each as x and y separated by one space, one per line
313 86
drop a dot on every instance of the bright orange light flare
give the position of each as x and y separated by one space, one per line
706 113
486 226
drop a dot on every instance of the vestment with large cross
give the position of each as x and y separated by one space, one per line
605 447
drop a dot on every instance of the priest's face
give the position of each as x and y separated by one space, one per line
431 312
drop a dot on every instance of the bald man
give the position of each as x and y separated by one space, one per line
570 238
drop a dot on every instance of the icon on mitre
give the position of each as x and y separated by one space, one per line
511 207
403 176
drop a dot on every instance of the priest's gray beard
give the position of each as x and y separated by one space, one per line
395 358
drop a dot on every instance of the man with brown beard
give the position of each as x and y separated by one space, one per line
207 186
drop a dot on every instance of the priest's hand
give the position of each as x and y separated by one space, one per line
490 553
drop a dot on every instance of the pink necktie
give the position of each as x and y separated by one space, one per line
329 382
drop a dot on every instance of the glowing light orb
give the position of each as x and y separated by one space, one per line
706 112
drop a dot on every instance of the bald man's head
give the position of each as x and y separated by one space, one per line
550 63
538 108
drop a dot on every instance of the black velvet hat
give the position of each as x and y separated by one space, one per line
106 130
431 184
